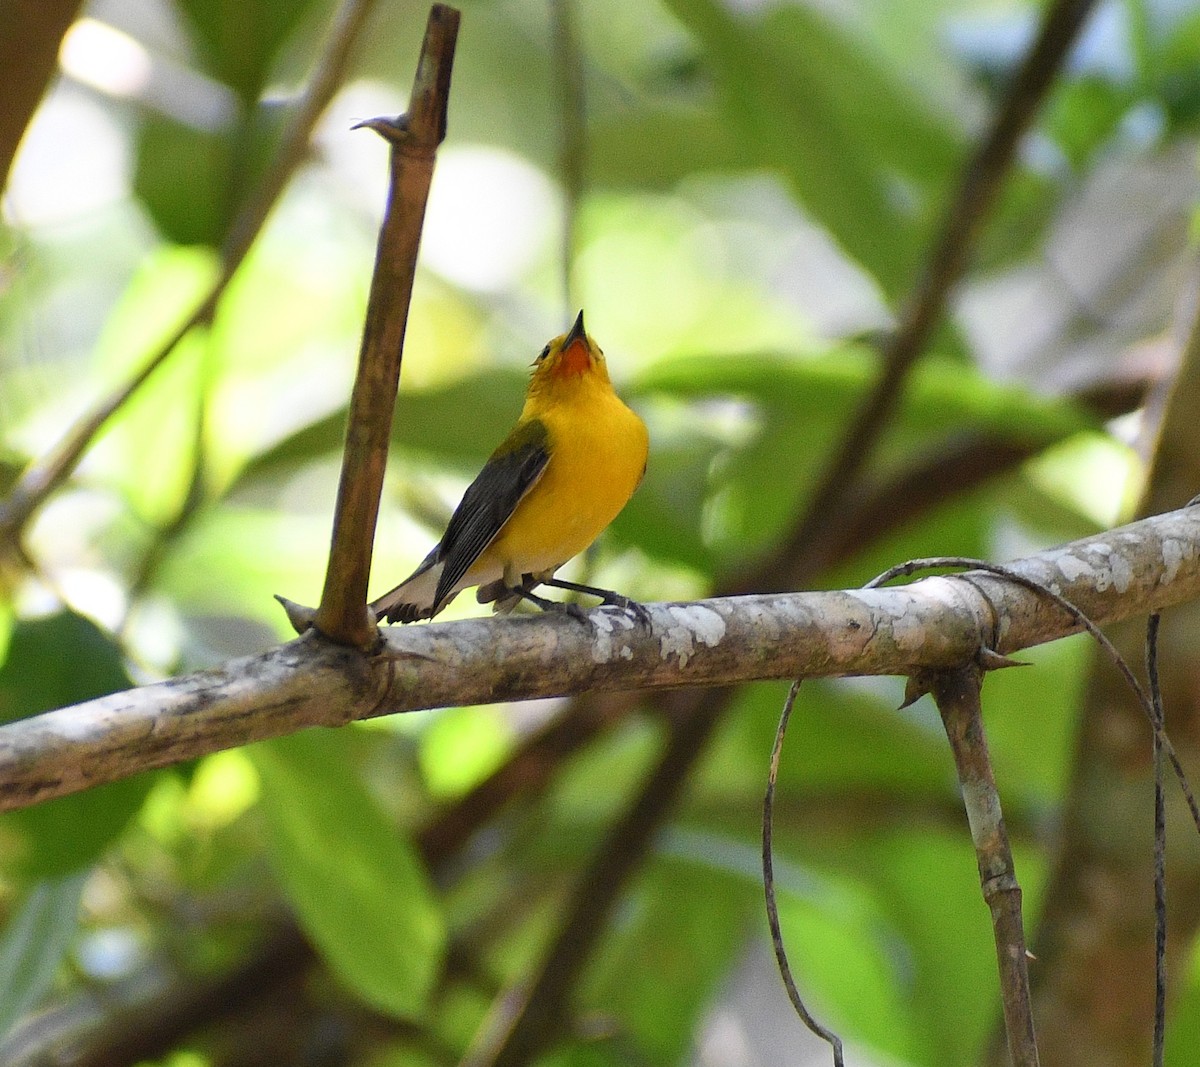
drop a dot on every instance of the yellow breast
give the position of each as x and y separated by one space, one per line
598 449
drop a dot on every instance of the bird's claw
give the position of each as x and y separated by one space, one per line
608 598
640 612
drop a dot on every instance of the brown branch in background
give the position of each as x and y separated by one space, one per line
45 475
567 60
31 32
944 267
142 1020
1093 994
528 1019
956 693
414 138
527 772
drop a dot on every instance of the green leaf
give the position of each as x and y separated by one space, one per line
240 41
1183 1020
34 943
1179 78
462 746
665 516
458 424
52 662
930 886
229 542
358 887
58 660
656 149
1083 114
843 948
12 464
867 155
793 411
1033 753
940 392
184 177
842 739
924 887
168 284
679 932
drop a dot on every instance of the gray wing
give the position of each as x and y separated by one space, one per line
511 471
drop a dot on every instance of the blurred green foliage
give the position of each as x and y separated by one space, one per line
763 181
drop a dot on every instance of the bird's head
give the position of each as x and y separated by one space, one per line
572 355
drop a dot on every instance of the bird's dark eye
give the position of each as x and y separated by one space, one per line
543 354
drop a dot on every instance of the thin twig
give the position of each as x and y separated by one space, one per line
945 265
45 475
957 695
414 138
1160 846
768 865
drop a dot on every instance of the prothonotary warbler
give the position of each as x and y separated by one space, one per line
569 466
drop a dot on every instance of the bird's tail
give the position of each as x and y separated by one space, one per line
413 598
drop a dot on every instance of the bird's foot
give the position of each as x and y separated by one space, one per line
574 610
608 598
639 611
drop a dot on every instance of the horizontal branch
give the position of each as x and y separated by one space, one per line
935 623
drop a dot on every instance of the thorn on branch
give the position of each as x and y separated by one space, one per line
990 660
300 616
916 685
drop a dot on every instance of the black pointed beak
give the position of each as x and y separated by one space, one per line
576 334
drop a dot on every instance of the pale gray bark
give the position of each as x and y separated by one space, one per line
937 623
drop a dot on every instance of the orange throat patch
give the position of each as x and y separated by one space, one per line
575 359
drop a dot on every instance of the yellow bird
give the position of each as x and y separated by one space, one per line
569 466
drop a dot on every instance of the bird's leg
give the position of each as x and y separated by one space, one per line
607 597
574 610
